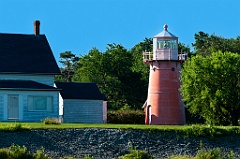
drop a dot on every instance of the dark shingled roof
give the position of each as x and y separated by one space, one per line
26 54
25 85
73 90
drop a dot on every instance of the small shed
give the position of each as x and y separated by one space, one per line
81 103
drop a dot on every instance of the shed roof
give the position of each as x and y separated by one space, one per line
77 90
26 54
25 85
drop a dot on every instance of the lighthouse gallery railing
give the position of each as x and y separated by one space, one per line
164 54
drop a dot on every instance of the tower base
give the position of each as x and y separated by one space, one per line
164 106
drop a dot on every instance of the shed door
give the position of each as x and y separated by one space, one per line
13 107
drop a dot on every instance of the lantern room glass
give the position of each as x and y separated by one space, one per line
166 44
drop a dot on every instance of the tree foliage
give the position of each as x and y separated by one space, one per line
182 48
205 44
211 87
137 52
112 71
69 61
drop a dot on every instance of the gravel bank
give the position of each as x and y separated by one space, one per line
111 143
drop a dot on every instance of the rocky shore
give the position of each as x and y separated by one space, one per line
112 143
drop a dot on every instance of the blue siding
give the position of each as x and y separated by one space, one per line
40 115
83 111
1 107
24 114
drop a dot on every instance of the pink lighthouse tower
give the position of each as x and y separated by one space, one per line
163 105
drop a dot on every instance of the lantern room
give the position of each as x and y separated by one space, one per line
165 45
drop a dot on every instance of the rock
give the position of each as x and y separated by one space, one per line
111 143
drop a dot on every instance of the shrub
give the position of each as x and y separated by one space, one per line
180 157
49 120
88 157
84 157
40 154
137 154
17 152
126 117
193 118
210 154
215 153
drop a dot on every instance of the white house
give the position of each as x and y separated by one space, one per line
27 89
27 70
81 103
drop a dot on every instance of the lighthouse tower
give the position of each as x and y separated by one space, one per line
163 105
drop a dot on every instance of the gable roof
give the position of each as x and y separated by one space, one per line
74 90
25 85
26 54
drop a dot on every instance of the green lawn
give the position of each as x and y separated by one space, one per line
189 130
41 125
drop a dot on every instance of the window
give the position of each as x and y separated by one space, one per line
166 44
40 103
160 44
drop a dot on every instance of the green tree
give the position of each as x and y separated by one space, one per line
120 63
211 87
69 61
201 44
205 44
141 70
137 53
182 48
93 68
113 73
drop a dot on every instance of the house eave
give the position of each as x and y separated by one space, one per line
81 99
20 73
26 89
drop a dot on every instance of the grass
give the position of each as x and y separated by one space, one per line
39 125
188 130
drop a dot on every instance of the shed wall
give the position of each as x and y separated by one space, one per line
82 111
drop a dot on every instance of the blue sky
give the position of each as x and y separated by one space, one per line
80 25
